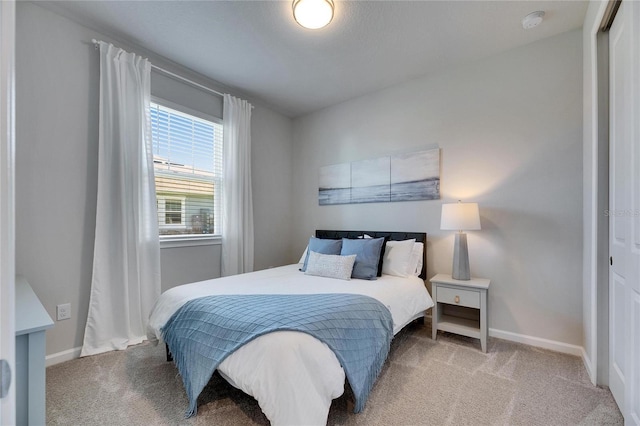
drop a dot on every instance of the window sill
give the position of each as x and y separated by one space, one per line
190 241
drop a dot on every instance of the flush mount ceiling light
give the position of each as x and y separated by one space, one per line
313 14
532 20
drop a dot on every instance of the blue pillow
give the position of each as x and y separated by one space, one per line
368 255
323 247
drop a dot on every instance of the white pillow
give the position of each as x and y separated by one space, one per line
397 255
416 260
304 255
330 265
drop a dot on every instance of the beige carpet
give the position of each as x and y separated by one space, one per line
424 382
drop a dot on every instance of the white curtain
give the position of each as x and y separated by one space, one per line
237 210
126 258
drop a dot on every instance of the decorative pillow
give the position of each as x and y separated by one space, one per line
366 236
367 253
416 260
323 247
330 266
397 255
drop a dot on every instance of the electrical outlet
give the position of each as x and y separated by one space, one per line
63 311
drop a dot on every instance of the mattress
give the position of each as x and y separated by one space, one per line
293 376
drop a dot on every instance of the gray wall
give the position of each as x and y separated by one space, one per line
509 128
56 168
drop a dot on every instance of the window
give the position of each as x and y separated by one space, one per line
187 157
171 212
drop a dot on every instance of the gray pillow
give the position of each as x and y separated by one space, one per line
330 265
323 247
367 251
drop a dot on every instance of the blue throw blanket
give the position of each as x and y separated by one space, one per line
205 331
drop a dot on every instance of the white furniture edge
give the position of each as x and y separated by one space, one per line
474 283
32 317
31 323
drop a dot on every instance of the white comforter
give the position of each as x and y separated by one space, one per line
293 376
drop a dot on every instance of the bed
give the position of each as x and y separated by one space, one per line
293 375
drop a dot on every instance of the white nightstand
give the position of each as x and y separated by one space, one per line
468 313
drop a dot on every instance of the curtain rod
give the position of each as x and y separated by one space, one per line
169 73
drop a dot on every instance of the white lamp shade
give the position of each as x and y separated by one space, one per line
313 14
460 217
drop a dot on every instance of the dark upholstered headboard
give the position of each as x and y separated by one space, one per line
421 237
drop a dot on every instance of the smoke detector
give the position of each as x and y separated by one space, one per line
532 20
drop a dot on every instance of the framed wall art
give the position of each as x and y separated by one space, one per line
413 176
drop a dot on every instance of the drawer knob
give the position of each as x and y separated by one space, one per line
457 299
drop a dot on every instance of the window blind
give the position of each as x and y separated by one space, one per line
187 157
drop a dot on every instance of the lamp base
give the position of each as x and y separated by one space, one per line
460 269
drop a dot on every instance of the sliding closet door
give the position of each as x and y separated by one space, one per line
632 390
624 213
619 223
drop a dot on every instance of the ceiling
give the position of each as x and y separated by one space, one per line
257 48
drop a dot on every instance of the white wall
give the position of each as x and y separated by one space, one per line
510 132
56 164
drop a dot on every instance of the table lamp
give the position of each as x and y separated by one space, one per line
460 217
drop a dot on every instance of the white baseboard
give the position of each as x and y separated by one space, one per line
63 356
589 366
539 342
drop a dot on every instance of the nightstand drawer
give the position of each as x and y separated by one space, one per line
452 296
